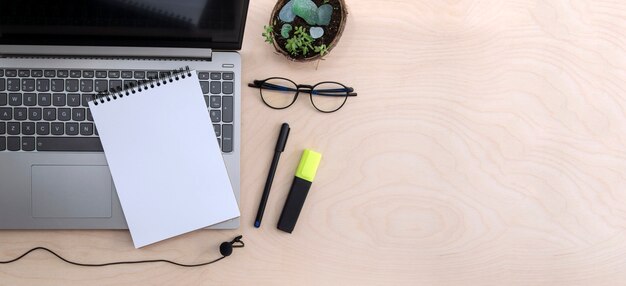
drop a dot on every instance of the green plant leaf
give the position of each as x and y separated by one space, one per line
268 34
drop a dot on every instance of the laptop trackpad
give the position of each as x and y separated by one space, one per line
71 191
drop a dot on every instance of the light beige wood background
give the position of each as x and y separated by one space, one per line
486 147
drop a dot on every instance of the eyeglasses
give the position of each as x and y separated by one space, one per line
280 93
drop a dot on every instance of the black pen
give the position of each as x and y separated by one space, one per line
280 147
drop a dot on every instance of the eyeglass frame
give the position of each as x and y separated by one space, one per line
302 87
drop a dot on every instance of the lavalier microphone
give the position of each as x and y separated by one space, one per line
226 249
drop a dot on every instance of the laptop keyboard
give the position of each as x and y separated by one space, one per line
47 109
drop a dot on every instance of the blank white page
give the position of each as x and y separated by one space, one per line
165 160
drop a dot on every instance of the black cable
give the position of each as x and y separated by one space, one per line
110 263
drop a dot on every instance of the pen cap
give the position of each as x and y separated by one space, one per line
282 138
309 162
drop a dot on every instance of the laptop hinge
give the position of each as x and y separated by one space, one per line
105 52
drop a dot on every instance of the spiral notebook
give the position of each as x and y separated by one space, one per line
164 158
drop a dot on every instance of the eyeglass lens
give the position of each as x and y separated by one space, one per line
278 93
329 96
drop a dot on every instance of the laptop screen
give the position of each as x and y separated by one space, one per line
217 24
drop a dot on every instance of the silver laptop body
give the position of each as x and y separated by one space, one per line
60 183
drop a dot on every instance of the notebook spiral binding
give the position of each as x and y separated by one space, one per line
126 90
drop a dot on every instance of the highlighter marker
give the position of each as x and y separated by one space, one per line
305 174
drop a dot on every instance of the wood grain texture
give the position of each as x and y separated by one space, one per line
486 147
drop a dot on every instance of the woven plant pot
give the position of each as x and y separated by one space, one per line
332 42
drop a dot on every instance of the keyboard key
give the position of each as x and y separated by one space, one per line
34 114
203 75
45 99
65 114
227 109
43 128
88 144
71 85
89 116
13 128
58 85
58 99
15 99
216 115
49 73
206 101
71 128
13 84
73 99
43 85
30 99
28 143
86 85
129 83
228 76
75 73
13 143
215 101
216 76
6 113
20 113
86 98
152 74
86 129
28 128
57 128
88 74
114 74
101 74
49 114
62 73
37 73
164 74
3 84
140 75
11 73
227 138
4 99
102 85
23 73
205 87
115 85
78 114
127 74
218 129
227 87
1 72
3 143
216 87
3 128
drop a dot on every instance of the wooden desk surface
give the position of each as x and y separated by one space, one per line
486 147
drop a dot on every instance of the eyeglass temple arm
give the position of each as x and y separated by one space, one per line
262 84
265 85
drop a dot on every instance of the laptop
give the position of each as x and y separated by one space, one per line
56 54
